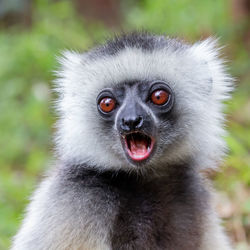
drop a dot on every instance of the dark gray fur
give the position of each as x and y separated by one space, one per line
151 213
144 41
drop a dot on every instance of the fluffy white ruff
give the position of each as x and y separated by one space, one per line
196 75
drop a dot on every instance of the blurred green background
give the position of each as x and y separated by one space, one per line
32 35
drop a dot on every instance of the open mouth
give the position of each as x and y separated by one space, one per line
139 146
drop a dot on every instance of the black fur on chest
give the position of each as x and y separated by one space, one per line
164 212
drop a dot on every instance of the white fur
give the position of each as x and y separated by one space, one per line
188 72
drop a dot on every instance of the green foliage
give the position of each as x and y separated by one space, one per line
28 58
195 20
189 19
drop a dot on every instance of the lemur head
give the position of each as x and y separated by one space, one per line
142 101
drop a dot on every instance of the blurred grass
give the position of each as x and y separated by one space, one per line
28 57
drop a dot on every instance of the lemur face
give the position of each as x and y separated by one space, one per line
142 101
134 109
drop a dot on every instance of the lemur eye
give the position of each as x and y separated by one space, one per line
107 104
159 97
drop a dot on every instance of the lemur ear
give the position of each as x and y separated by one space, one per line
207 54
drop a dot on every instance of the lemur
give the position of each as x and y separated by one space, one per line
140 118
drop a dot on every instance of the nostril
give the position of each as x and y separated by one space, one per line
125 125
127 122
138 122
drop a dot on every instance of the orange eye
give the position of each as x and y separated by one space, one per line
107 104
159 97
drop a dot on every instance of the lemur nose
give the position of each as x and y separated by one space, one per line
131 123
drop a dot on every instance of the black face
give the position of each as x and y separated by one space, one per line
134 107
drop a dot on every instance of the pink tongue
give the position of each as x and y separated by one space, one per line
138 147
